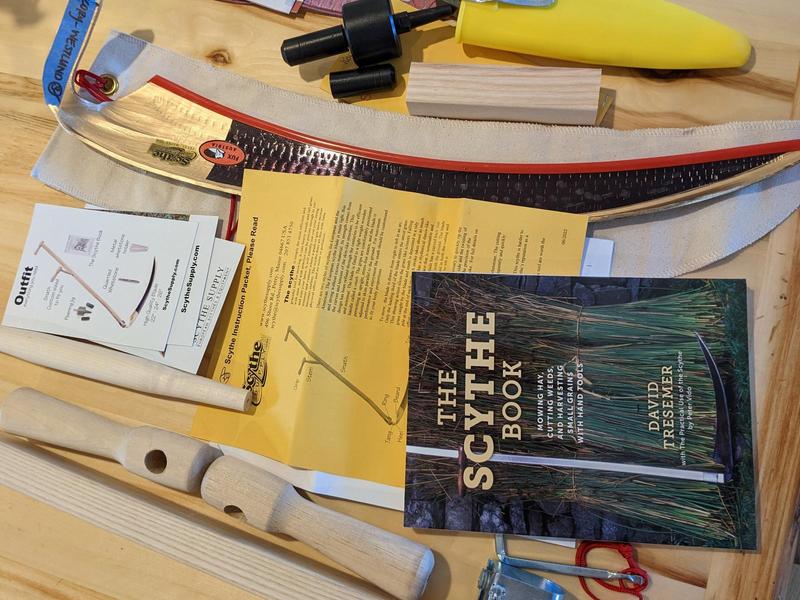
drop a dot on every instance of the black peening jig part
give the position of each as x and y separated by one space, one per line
369 30
362 80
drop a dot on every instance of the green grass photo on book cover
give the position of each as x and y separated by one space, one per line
596 408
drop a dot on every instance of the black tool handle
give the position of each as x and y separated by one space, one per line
362 80
311 46
406 21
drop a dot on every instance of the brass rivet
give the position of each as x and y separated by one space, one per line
110 84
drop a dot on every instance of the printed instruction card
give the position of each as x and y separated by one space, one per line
191 302
224 260
101 276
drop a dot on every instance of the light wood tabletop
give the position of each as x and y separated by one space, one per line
45 553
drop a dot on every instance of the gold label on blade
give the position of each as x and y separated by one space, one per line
171 152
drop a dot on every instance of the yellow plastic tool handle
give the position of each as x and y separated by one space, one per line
652 34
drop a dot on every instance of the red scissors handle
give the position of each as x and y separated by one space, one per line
622 586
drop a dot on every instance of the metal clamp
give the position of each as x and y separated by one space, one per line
500 581
563 569
505 579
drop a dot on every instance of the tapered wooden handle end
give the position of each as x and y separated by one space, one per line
32 414
117 368
207 391
394 563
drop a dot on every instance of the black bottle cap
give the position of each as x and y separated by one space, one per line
361 80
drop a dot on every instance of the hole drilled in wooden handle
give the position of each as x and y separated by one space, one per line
235 512
155 461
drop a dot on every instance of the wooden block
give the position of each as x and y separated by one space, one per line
504 93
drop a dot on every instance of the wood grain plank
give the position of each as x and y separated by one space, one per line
18 580
192 540
46 546
766 574
762 575
243 38
45 553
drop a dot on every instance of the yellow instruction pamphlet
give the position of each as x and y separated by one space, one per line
318 325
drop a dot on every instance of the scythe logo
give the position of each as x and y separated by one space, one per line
172 152
256 375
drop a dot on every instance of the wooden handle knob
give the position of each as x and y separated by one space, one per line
117 368
393 563
168 458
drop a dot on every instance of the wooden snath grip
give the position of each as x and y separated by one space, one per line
393 563
117 368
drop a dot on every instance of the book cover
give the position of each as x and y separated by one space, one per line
597 408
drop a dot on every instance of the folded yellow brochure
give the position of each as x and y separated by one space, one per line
317 325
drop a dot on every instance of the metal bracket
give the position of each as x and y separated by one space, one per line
563 569
500 581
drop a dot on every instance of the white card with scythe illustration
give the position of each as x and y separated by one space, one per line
101 276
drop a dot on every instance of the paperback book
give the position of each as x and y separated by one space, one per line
595 408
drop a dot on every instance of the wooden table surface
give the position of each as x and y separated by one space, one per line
45 553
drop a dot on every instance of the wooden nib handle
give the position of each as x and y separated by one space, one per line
393 563
177 461
117 368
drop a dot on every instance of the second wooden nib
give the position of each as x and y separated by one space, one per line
500 93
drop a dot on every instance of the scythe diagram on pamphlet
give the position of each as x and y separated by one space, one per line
318 327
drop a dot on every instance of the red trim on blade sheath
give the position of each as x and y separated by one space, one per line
655 162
